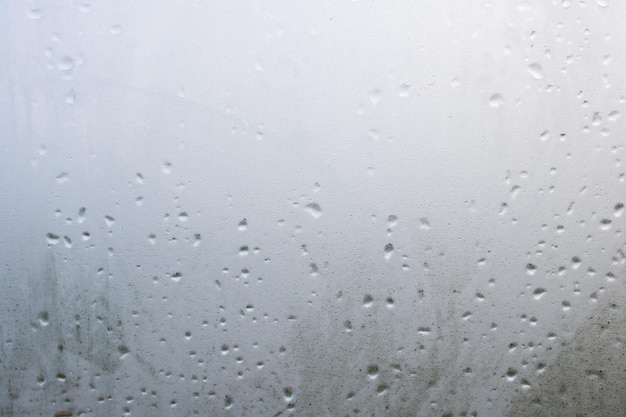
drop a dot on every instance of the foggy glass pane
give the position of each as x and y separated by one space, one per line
312 208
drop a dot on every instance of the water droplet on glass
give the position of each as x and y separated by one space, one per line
531 269
388 251
115 30
605 224
404 90
109 220
538 293
372 371
619 209
313 209
603 3
392 221
166 167
424 223
63 177
368 300
81 214
35 14
511 373
52 238
496 100
65 63
243 225
536 71
375 96
44 320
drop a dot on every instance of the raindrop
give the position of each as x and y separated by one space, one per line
538 293
115 30
44 320
52 239
81 214
375 96
392 221
536 71
531 269
35 13
372 371
619 209
314 210
63 177
65 63
388 250
511 373
243 225
109 220
243 251
496 100
605 224
368 300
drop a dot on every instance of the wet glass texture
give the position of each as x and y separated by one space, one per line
312 208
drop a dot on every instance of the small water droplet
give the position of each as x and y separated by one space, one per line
375 96
603 3
605 224
535 70
372 371
115 30
52 238
404 90
314 210
63 177
619 209
388 251
424 223
243 225
392 221
35 14
614 115
368 300
44 320
66 63
166 168
109 220
176 276
531 269
243 251
538 293
183 217
423 330
511 373
496 100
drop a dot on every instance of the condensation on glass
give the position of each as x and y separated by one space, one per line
348 208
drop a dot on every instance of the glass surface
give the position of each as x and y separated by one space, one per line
312 208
